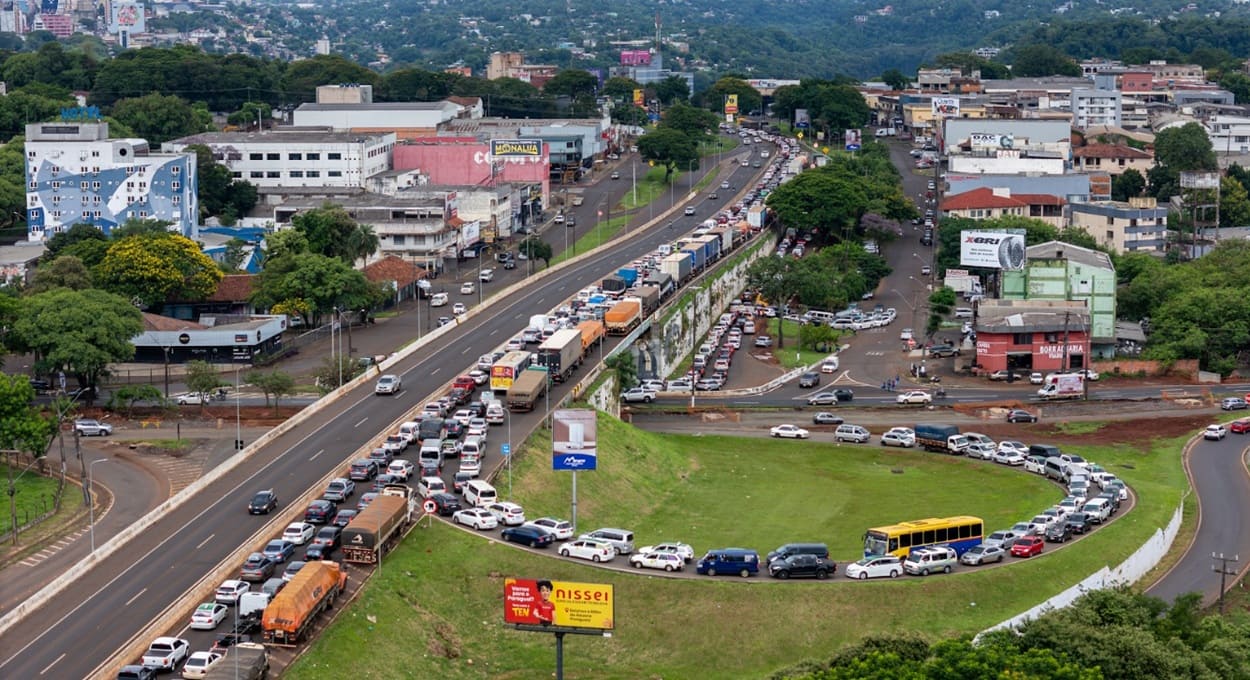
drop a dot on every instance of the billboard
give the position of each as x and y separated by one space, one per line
731 103
852 140
638 98
1200 180
991 140
451 206
945 106
565 604
470 233
126 16
573 441
802 119
503 148
991 250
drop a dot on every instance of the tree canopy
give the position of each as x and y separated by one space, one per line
156 268
79 332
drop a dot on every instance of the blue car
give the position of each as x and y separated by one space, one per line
534 537
279 550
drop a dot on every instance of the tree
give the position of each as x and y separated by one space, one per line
670 148
1127 184
124 397
77 233
536 248
628 114
822 201
328 230
66 271
22 426
327 377
749 98
322 283
817 337
157 268
1041 60
220 195
251 113
573 83
414 84
672 89
78 332
277 383
941 303
304 76
159 118
771 278
285 243
1234 204
621 88
625 364
1185 149
967 62
688 120
201 378
896 80
362 242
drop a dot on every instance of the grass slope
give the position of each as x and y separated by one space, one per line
435 608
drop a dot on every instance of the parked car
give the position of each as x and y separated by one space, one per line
875 567
1019 415
789 432
1028 547
89 427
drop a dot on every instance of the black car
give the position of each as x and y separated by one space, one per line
431 468
382 480
809 566
453 428
446 504
461 478
844 394
320 511
809 379
1058 532
1113 498
343 517
263 502
362 470
1077 523
329 536
136 672
477 408
1019 415
534 537
318 551
826 418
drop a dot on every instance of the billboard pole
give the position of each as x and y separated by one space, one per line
560 636
574 519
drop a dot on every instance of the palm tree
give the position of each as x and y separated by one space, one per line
362 242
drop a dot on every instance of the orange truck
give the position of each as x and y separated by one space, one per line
592 334
624 316
291 613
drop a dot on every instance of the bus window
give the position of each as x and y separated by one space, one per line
940 536
965 531
977 530
904 540
893 544
928 537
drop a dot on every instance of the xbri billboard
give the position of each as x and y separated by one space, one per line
991 250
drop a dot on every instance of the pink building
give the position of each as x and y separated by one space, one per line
635 58
460 161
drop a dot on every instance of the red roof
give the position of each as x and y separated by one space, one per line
156 322
233 288
983 198
1110 151
394 268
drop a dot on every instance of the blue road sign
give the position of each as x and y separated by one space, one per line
573 461
505 449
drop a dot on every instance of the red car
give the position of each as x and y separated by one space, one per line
1028 546
1240 426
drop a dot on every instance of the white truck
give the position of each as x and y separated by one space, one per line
1063 386
166 653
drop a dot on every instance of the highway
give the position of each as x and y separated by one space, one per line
83 626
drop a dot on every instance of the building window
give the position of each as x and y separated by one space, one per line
256 174
256 156
95 154
236 174
1022 339
175 185
314 156
81 185
296 174
177 200
273 156
334 173
95 186
334 156
130 186
295 157
398 239
35 185
273 174
314 173
176 170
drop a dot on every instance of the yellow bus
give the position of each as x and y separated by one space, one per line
960 533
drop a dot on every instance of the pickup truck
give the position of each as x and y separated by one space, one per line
166 653
637 394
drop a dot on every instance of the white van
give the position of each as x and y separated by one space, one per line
438 300
478 493
823 317
409 429
431 453
428 486
1097 510
473 446
252 601
963 312
665 249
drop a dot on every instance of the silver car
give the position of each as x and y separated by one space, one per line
88 427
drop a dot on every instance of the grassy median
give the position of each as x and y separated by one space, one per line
435 610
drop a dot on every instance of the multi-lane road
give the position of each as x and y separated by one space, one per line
84 625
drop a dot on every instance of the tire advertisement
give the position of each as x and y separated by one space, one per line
991 250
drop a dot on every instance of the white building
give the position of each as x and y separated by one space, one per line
1229 134
287 161
1095 107
75 173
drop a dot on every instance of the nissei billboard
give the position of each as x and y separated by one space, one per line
565 604
991 250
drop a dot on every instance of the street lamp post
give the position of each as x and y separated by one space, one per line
238 423
91 499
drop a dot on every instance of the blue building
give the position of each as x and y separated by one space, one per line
76 174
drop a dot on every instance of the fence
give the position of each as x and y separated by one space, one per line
1129 571
25 518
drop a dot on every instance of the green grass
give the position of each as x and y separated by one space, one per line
171 445
1080 426
35 494
602 233
436 605
649 187
792 356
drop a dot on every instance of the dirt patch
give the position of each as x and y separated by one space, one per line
206 416
1109 432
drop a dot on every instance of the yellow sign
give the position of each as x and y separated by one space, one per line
800 135
651 163
637 97
731 103
824 149
516 147
559 603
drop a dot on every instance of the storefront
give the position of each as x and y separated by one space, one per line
1024 336
176 341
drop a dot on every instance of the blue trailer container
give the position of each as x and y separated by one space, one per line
629 274
698 255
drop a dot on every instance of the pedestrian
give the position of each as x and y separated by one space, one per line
897 378
883 386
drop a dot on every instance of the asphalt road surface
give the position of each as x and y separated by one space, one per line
88 622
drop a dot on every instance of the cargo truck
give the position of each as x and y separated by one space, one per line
614 286
623 317
755 216
293 611
527 389
1063 386
662 282
698 256
504 371
372 532
592 334
941 438
244 661
726 235
629 274
649 296
561 353
678 266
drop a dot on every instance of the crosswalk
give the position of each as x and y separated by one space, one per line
875 353
179 470
53 548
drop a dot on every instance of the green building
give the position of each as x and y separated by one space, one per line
1062 271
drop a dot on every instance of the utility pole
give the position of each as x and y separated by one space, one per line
1224 571
1063 365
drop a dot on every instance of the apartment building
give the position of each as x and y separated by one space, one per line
1113 159
1095 107
1140 225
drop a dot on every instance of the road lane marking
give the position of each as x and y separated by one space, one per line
136 596
314 456
494 331
201 545
435 371
464 351
362 421
62 656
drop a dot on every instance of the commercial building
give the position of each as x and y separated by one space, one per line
1139 225
1032 335
350 108
1061 272
1071 187
1113 159
217 340
76 174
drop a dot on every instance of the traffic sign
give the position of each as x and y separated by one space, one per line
505 449
429 506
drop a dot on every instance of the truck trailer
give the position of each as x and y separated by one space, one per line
623 317
678 265
941 438
614 285
293 611
561 353
629 275
650 298
375 529
592 334
244 661
527 389
662 282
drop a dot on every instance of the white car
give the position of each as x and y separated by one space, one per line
468 288
1008 457
166 653
638 394
388 384
896 438
914 397
479 376
191 399
495 415
507 514
459 309
401 468
829 365
1035 464
208 616
1039 524
463 416
1215 432
229 591
588 549
682 550
438 300
1010 446
477 427
875 567
486 275
299 533
471 466
561 529
478 518
657 560
905 335
980 450
198 664
789 431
